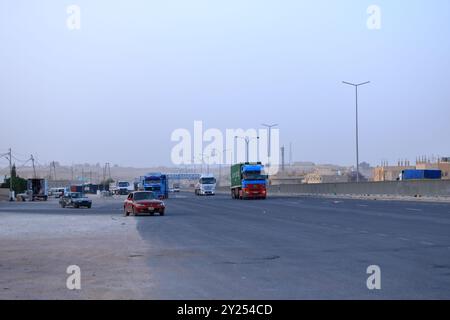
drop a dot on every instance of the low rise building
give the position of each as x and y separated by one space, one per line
391 173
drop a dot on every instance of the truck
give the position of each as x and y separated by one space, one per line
420 174
124 187
37 189
77 188
176 187
155 182
120 187
248 181
206 185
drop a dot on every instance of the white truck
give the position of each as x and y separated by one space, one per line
206 185
121 187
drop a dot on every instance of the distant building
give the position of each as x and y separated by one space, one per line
442 164
391 173
325 176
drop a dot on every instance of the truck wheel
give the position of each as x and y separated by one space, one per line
132 211
161 213
125 212
76 206
89 206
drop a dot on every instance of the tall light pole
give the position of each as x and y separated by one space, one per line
247 142
270 126
356 85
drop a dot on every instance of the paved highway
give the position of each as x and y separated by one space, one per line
218 248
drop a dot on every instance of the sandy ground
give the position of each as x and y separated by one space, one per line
37 247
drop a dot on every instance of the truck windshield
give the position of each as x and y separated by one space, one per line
208 180
254 175
144 196
157 188
123 184
152 181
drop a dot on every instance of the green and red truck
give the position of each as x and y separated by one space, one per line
248 181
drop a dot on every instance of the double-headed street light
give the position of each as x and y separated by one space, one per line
356 85
247 142
270 126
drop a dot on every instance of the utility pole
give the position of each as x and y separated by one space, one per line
357 138
290 154
282 158
10 177
54 169
34 168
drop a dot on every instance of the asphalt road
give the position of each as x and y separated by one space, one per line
217 248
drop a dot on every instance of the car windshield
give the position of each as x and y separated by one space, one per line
207 180
123 184
75 195
144 196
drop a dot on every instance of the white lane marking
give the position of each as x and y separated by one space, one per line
382 235
413 209
362 205
404 239
364 231
427 243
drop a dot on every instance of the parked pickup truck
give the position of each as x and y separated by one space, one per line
75 199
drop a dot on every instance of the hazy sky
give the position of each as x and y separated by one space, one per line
137 70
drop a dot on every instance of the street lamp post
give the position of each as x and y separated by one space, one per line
247 142
270 126
356 85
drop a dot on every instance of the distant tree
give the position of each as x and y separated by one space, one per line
13 171
19 184
107 181
352 177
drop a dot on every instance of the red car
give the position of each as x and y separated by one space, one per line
143 202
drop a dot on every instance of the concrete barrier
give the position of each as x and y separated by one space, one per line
428 188
4 194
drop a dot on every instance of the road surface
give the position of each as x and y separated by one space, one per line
214 247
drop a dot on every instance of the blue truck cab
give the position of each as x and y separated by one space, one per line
155 182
